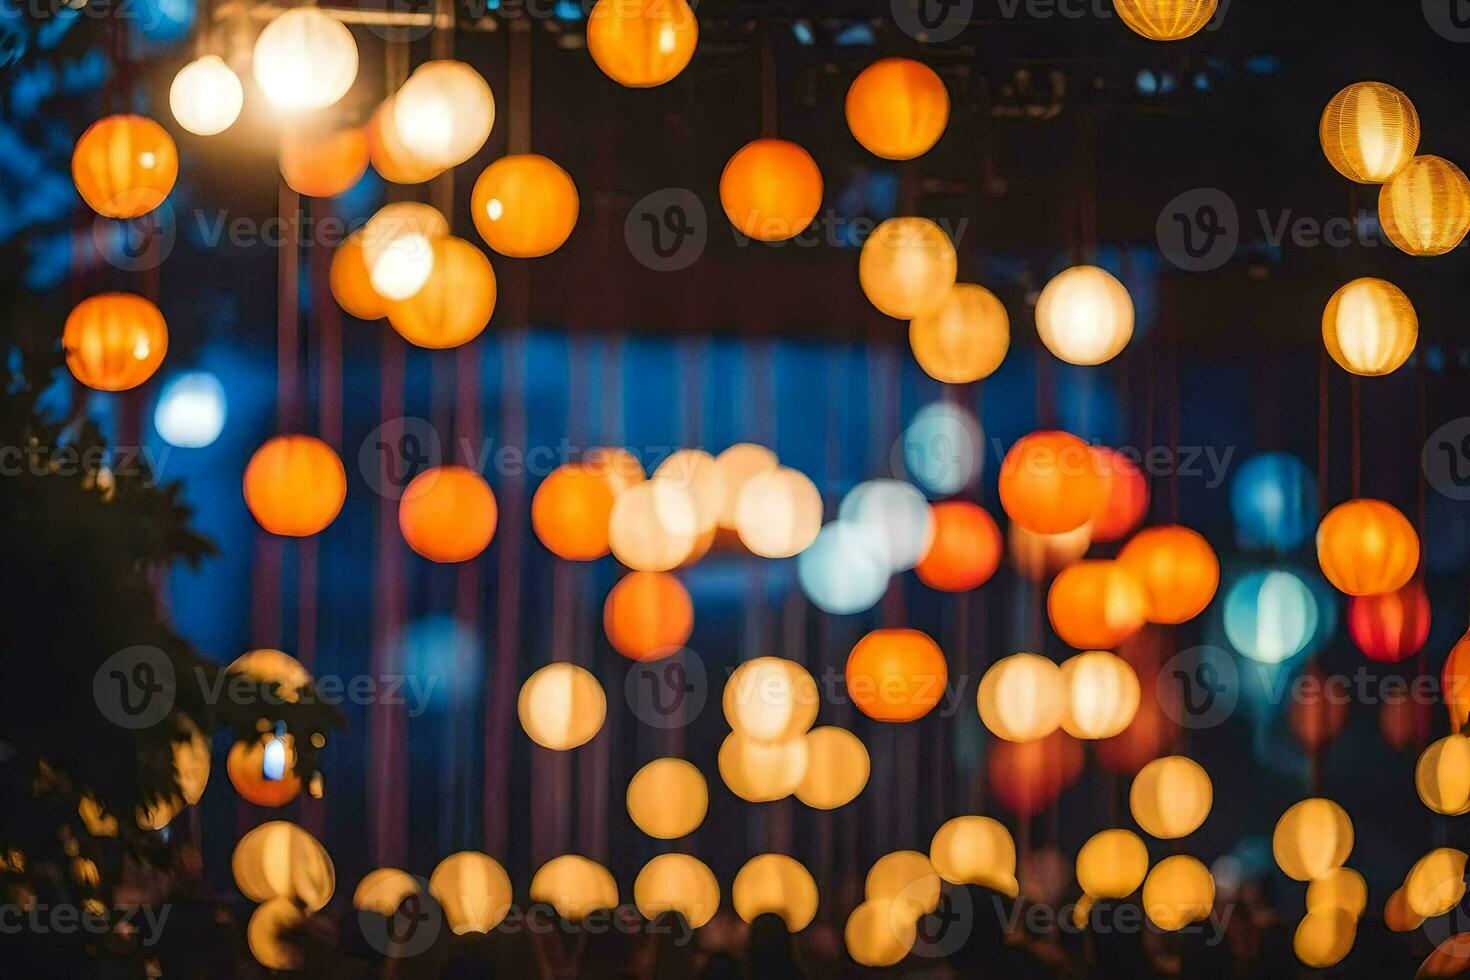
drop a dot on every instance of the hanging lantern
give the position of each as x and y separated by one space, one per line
654 526
206 96
837 768
1171 797
473 890
897 108
668 799
1270 616
878 935
907 267
771 190
1343 889
1152 732
1455 683
323 165
1322 939
1425 208
1369 132
896 675
575 887
114 341
972 850
779 513
1038 557
263 771
770 699
1436 882
561 706
1085 315
736 467
524 205
1123 503
695 471
124 166
648 616
1442 776
641 43
1370 327
383 891
455 302
1179 890
281 860
295 486
1049 482
1096 605
1273 500
1112 864
191 762
1178 569
1392 626
351 285
1166 20
1315 716
846 569
1103 694
966 549
267 931
267 666
571 511
898 517
963 339
443 113
677 883
1403 723
448 514
1312 839
388 153
1367 547
398 247
1027 777
774 884
762 772
1398 916
907 879
1022 697
305 59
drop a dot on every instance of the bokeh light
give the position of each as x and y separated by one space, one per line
191 410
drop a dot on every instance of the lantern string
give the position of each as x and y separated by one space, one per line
769 83
1357 435
288 405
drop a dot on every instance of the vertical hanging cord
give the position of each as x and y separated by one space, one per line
769 90
1357 432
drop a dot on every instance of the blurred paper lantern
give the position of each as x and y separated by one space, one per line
1085 315
966 549
444 113
1455 683
1123 502
771 190
763 772
1425 208
1312 839
305 59
1392 626
845 570
648 615
900 518
448 514
1103 694
677 883
1397 915
1442 776
770 699
1171 797
473 890
268 666
907 267
383 890
1027 777
1112 864
398 248
1040 556
191 410
1096 605
1370 327
1436 882
389 154
280 860
1366 547
1369 132
1049 482
571 511
878 935
618 466
963 339
1178 569
1322 939
1273 500
191 762
973 850
1270 616
575 887
263 770
206 96
317 165
524 205
1149 736
654 526
737 466
266 934
897 108
1178 891
695 472
114 341
1022 697
779 513
775 884
668 798
351 284
1166 20
1343 889
896 675
837 768
1451 958
124 166
907 880
1316 715
561 706
455 302
641 43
